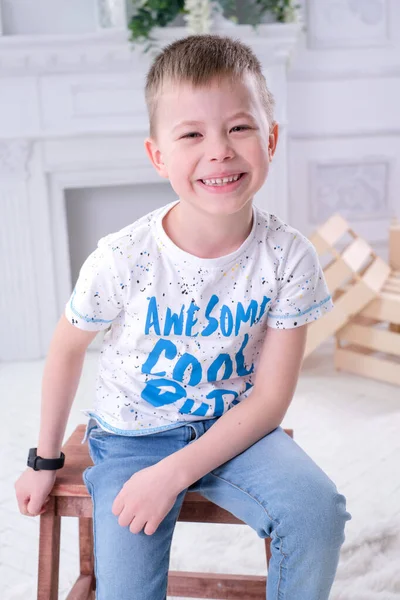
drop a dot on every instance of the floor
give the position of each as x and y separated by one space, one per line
348 425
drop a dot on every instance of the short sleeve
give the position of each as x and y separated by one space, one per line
97 298
303 296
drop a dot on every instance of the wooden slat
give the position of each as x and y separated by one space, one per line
394 279
377 274
86 546
205 512
336 274
333 229
216 585
320 330
392 287
82 589
367 366
69 480
383 309
356 254
349 304
376 339
49 553
74 507
268 553
355 299
360 320
320 244
390 296
394 245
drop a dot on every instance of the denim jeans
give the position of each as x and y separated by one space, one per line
273 486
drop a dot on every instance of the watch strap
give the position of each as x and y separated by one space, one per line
44 464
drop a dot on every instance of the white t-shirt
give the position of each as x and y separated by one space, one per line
184 333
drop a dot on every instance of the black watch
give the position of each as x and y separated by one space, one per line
44 464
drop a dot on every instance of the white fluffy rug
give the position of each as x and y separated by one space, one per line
369 566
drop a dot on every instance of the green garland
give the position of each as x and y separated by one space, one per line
158 13
283 10
154 13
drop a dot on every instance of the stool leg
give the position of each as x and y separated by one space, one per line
86 548
49 553
267 542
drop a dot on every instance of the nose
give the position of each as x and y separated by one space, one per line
220 149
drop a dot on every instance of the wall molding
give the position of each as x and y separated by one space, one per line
358 188
347 24
347 134
111 50
370 72
14 158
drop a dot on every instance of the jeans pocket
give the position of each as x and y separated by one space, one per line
100 443
97 431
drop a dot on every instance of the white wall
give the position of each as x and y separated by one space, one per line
71 118
344 118
94 212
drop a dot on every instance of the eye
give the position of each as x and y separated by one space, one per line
189 135
241 127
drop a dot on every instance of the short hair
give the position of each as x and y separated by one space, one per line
198 59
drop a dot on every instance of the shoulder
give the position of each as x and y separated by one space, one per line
283 240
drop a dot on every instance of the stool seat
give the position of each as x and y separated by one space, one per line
70 498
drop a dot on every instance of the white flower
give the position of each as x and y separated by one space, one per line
198 18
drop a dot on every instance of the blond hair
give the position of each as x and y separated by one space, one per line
197 59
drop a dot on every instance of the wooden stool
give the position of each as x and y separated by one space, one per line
70 498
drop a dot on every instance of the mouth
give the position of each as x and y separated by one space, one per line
222 181
222 184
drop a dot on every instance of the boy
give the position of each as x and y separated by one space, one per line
205 304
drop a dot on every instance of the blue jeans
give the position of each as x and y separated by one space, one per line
273 486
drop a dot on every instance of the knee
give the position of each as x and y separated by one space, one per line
322 513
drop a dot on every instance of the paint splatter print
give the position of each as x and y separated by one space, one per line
183 334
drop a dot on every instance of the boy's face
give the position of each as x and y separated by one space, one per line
216 144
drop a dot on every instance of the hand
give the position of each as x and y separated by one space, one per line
145 499
32 489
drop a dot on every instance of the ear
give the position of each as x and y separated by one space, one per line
273 139
155 156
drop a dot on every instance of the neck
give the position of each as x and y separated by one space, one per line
205 235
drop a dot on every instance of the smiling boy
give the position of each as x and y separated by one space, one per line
205 303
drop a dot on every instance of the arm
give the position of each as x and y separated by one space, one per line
254 417
60 381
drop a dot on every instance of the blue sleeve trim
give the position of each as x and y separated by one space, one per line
87 319
300 313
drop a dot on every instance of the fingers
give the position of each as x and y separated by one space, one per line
34 507
150 528
125 518
30 508
118 505
23 505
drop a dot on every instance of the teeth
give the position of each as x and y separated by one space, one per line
221 181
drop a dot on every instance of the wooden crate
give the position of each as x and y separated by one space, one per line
354 275
369 344
366 295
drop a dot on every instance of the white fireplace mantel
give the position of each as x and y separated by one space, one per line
72 114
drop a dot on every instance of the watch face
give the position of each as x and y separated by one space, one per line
31 457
